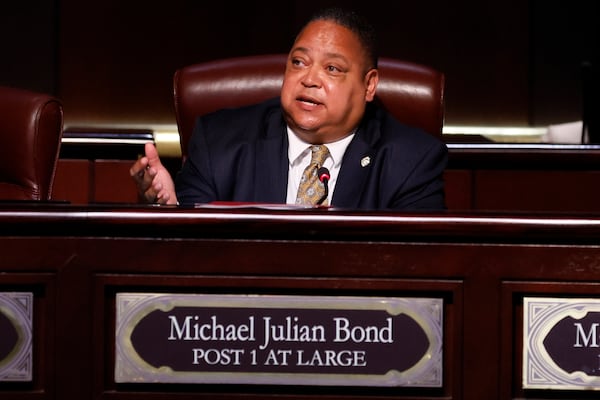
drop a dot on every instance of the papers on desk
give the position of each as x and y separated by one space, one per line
569 132
224 205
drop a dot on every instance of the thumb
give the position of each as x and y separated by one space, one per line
152 154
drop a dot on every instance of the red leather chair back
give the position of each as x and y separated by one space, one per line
31 126
413 93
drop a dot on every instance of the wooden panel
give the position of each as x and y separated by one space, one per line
479 264
98 181
112 182
72 181
459 189
537 190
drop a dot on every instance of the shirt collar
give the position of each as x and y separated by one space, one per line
297 147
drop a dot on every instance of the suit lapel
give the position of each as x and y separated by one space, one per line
356 166
272 162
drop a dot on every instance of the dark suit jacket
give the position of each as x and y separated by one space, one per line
240 155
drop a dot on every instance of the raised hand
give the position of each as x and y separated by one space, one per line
153 180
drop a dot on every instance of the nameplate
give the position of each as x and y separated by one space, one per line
278 340
561 343
16 350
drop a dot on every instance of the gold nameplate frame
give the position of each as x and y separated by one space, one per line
16 336
561 343
278 340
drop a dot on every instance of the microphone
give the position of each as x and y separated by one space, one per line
323 174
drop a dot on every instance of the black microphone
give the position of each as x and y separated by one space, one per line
323 174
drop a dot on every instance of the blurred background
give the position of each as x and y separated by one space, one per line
508 64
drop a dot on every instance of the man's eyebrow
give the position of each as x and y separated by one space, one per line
299 48
337 56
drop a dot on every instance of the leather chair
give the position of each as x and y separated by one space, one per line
413 93
31 126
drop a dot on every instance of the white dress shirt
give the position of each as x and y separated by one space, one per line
299 157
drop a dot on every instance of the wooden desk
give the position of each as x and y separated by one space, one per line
75 259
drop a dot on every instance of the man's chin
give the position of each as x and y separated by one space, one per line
307 129
309 124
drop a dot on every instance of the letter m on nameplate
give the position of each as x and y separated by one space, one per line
278 340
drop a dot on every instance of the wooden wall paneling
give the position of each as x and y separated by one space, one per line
459 189
537 190
112 183
72 181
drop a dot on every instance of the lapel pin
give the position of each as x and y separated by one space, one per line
365 161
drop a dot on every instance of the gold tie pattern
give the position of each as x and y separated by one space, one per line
311 189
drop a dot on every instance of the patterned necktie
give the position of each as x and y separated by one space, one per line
311 189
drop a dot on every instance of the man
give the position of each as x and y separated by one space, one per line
258 153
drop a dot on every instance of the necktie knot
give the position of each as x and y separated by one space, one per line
311 190
319 154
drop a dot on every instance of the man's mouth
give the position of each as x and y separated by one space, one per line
309 100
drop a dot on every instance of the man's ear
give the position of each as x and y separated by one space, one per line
371 80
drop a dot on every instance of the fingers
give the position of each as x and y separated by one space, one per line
157 186
161 195
148 184
137 170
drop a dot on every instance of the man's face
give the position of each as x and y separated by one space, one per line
327 83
